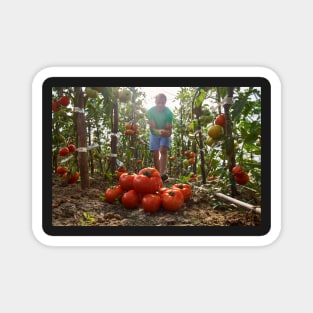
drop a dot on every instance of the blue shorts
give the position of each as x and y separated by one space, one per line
157 141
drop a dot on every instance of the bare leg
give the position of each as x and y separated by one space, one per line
163 159
156 159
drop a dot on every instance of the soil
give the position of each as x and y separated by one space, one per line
72 206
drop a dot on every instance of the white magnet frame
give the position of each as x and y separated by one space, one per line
49 240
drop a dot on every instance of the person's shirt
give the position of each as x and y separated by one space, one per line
161 119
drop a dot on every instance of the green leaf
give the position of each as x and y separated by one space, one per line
237 108
73 170
251 138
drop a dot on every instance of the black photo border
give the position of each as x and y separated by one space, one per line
252 81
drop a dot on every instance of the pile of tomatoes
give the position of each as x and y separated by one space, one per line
146 189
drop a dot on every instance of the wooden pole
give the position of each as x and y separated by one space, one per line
229 140
82 139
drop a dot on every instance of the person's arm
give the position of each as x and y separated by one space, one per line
153 128
167 132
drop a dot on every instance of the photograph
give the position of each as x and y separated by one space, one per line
156 156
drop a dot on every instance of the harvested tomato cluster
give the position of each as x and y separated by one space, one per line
241 177
146 189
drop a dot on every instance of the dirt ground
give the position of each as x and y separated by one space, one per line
72 206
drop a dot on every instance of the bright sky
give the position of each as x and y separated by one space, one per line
151 92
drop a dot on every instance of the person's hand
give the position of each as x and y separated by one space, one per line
165 133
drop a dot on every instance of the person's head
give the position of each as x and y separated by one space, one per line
160 101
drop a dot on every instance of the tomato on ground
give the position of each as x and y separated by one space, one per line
172 200
148 180
185 189
151 202
112 194
130 199
126 180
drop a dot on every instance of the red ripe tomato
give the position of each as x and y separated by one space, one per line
185 189
220 120
111 194
73 178
64 176
172 200
61 169
129 132
122 169
127 181
192 154
128 125
151 202
148 180
65 101
237 170
130 199
171 158
163 189
134 127
149 171
55 106
191 160
187 154
64 151
71 147
242 178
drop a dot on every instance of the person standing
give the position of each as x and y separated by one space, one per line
160 120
